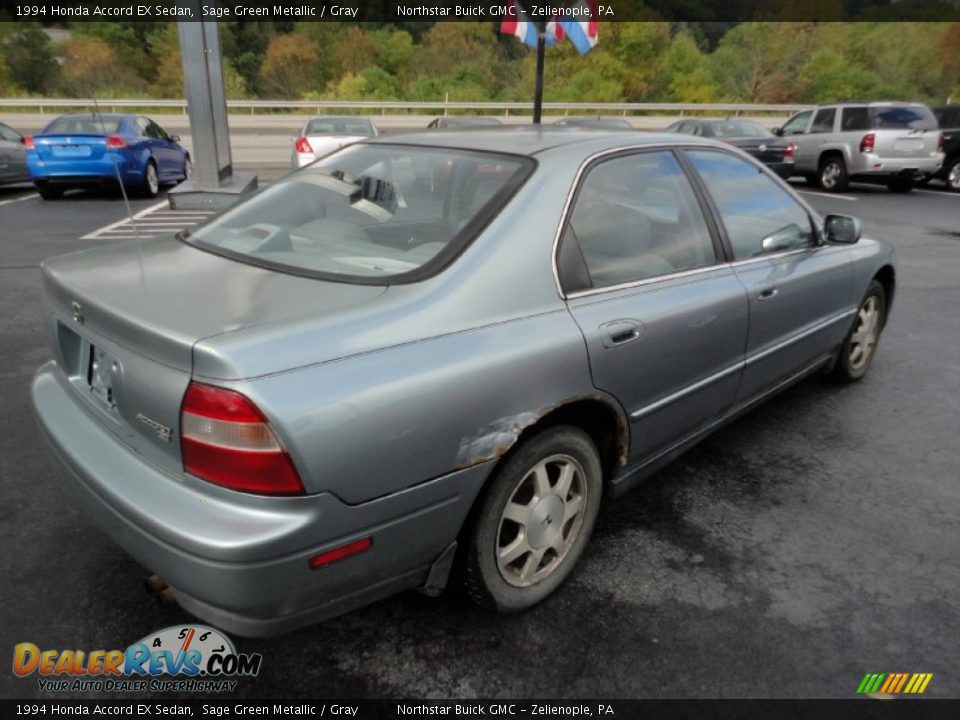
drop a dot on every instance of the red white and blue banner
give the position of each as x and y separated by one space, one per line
581 28
516 22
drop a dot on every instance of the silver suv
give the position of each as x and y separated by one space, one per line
886 142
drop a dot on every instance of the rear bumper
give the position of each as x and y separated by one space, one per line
241 561
783 169
866 165
72 172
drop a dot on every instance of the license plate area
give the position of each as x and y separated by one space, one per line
909 144
90 368
71 150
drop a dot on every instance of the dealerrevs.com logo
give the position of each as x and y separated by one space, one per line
191 658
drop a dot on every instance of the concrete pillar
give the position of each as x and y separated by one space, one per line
214 184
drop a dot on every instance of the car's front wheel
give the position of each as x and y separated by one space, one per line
860 345
534 520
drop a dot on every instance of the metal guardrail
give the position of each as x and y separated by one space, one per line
487 108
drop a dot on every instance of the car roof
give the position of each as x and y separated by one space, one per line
531 140
339 118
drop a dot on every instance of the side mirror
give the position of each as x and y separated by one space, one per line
778 131
841 229
175 138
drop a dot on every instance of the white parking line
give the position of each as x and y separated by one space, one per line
19 199
151 222
829 195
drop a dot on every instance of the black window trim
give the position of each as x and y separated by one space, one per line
455 247
719 258
812 216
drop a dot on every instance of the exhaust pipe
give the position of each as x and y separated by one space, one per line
157 586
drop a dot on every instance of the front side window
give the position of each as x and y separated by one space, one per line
797 125
823 121
636 217
759 215
368 213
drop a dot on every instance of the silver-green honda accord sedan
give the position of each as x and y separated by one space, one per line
433 356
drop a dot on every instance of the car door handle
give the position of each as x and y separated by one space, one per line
620 332
766 292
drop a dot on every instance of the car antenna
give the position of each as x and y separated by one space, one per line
116 169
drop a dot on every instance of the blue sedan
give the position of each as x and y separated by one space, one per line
97 149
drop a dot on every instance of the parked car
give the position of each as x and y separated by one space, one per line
94 149
462 122
948 118
882 142
747 135
608 123
13 157
322 135
345 384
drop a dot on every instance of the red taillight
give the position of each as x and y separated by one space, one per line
866 145
115 142
28 142
303 145
789 150
941 143
226 440
344 551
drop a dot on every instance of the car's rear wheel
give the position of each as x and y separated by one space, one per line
952 174
901 185
151 181
860 345
533 521
833 174
49 193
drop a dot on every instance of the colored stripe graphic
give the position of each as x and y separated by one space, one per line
894 683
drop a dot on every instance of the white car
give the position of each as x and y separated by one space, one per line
320 136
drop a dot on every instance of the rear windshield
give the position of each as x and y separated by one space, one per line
339 126
83 125
739 128
375 214
899 117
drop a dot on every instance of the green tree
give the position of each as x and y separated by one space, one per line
29 57
292 66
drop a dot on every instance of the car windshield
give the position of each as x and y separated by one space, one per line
739 128
83 125
902 117
369 213
339 126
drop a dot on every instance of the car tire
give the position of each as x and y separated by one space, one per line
832 176
951 174
150 186
187 168
50 193
860 345
546 525
901 185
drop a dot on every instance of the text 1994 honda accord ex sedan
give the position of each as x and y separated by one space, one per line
362 377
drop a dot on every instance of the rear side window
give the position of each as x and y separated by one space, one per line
823 120
375 214
9 134
900 117
83 125
636 217
855 118
760 217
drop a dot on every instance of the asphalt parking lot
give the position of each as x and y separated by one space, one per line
806 544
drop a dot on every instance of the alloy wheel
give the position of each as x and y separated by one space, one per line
152 182
541 520
865 336
953 177
830 175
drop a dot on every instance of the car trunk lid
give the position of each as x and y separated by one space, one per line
52 148
124 320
